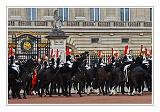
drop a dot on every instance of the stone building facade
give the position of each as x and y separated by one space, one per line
90 29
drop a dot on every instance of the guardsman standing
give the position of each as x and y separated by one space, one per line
34 80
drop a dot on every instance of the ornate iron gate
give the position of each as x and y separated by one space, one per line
27 45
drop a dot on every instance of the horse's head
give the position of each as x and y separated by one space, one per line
30 65
84 55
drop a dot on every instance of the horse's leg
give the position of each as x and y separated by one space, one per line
51 88
102 88
8 90
38 88
75 86
140 88
122 88
42 92
70 86
59 87
55 88
98 91
87 88
47 89
107 85
65 86
13 91
131 88
80 89
24 89
18 93
84 87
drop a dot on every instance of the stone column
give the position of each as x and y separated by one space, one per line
59 44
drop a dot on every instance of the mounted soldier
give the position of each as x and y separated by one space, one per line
127 61
45 64
68 60
100 62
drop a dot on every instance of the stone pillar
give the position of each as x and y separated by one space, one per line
57 40
59 44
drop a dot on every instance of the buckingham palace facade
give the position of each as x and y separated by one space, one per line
91 29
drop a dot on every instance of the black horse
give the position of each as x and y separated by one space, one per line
14 83
79 73
103 79
137 75
45 77
18 81
64 78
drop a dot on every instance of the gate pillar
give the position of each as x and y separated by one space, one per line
57 40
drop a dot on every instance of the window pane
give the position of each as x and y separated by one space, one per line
34 14
65 14
91 14
126 14
28 12
150 14
94 40
61 13
96 14
122 14
125 40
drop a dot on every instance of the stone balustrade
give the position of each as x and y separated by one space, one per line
82 23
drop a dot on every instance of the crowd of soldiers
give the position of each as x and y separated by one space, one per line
44 63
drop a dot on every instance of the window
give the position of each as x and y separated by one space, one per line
124 14
31 14
63 14
94 40
125 40
150 14
94 14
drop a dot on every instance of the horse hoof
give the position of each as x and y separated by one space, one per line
98 94
19 98
131 94
140 94
24 98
